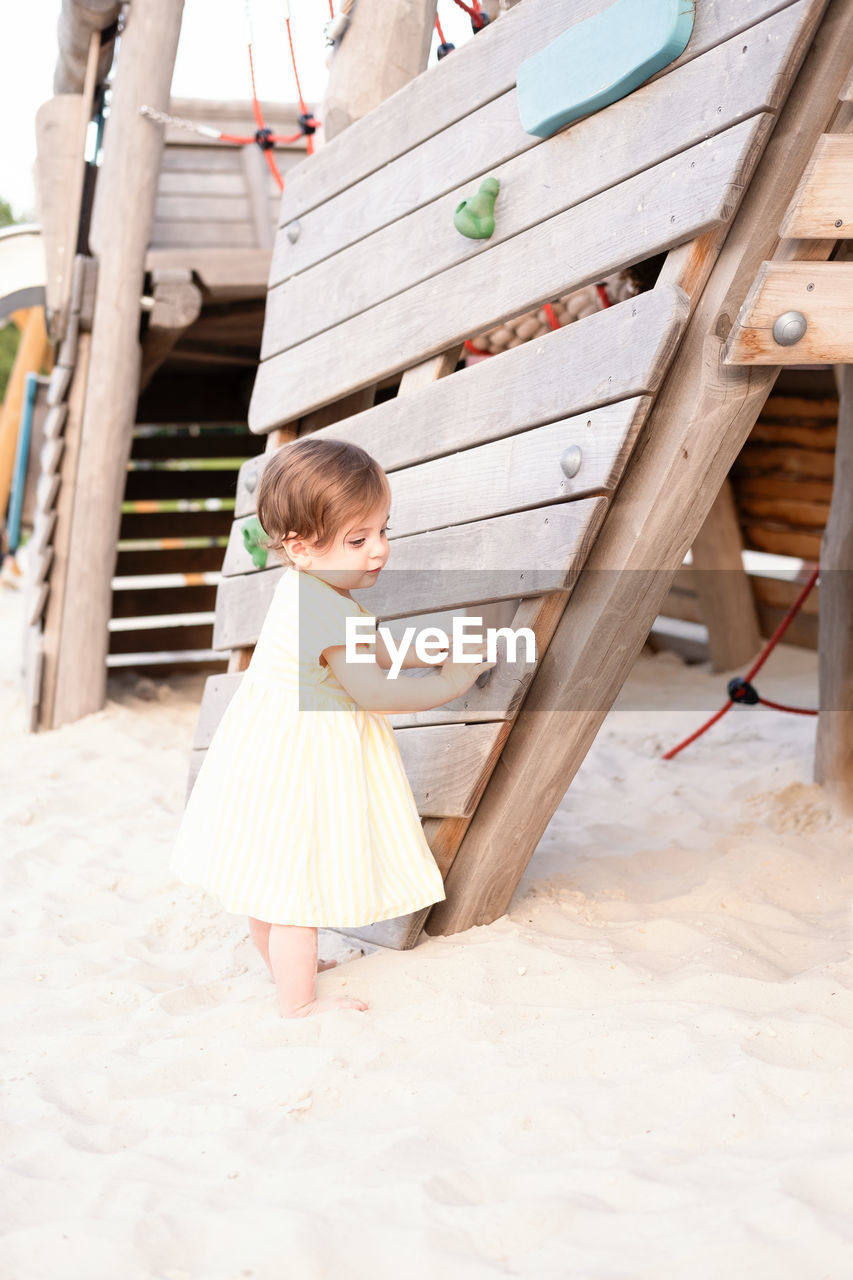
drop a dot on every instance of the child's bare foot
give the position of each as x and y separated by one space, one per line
324 1006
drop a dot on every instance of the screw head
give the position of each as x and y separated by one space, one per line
292 231
571 460
789 328
838 222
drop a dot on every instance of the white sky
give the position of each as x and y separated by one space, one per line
212 63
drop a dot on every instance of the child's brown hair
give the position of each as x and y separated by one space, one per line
314 487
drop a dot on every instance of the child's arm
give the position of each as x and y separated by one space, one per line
372 689
383 657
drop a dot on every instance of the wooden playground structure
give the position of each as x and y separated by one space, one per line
557 486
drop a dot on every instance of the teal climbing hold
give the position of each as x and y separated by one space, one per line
600 60
253 540
475 218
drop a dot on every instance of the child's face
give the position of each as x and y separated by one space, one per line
354 557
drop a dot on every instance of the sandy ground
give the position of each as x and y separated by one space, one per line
643 1070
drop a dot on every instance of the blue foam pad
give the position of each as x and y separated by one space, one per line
600 60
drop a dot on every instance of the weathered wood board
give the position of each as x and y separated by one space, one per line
680 198
819 291
822 207
639 337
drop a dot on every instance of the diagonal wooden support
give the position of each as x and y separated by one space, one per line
691 439
834 749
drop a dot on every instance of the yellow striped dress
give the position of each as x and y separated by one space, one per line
302 812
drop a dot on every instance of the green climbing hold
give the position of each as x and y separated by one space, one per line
476 218
252 535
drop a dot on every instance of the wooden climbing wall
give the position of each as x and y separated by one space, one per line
371 283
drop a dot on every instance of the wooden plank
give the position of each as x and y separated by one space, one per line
447 765
478 72
616 354
676 113
820 291
180 183
363 240
822 207
207 234
680 198
724 590
203 209
198 157
518 472
225 273
497 559
256 172
696 429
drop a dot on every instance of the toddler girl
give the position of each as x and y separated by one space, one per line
302 814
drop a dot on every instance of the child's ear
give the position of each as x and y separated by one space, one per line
296 549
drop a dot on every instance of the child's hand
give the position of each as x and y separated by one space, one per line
460 676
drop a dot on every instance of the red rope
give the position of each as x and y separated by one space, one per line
331 9
603 295
309 141
259 121
781 706
551 316
474 12
477 351
439 30
755 668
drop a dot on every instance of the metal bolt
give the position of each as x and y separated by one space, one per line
809 288
789 328
292 231
571 460
838 222
251 481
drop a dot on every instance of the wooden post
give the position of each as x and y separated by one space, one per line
386 45
121 228
697 427
723 589
834 751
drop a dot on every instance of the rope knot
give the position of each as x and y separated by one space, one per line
263 137
308 124
740 690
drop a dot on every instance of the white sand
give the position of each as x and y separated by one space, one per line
643 1070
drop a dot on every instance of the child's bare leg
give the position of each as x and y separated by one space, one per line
293 957
259 930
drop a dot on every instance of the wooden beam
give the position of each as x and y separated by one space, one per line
695 431
385 46
726 603
177 304
822 207
121 226
819 291
834 749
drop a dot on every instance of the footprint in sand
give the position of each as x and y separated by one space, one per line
185 999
